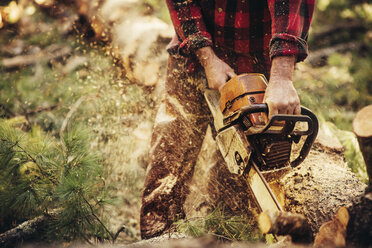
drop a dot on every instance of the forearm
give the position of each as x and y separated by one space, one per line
282 68
281 96
205 55
216 71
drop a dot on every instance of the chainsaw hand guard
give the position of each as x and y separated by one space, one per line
286 129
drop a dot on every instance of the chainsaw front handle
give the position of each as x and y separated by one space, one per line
289 122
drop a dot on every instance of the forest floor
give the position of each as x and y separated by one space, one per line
59 74
85 82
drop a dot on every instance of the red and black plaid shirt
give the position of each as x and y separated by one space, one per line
246 34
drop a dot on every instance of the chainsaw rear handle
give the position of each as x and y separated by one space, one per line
290 120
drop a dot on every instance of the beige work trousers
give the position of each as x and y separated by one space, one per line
179 130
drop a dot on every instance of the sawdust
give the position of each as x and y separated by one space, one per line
316 188
320 185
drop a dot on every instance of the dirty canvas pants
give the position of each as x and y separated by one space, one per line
179 129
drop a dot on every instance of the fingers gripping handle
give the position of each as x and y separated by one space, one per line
306 116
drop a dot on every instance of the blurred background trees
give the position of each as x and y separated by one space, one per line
336 79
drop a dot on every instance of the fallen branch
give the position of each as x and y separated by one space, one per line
7 110
337 28
41 109
70 113
50 53
316 56
25 231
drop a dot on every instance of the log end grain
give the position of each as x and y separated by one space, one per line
285 223
362 124
264 222
333 232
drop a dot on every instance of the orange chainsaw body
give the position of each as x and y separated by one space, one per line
241 103
244 90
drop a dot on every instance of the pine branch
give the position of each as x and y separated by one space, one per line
98 219
121 229
28 113
37 164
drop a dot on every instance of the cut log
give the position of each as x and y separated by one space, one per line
362 126
285 223
333 232
315 189
359 229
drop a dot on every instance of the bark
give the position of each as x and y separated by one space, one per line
359 231
50 53
333 232
25 231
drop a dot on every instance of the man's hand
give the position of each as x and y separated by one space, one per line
281 96
217 71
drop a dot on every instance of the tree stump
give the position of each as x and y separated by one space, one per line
362 126
359 231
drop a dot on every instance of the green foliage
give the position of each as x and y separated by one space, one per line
332 91
341 84
352 152
40 174
37 99
223 225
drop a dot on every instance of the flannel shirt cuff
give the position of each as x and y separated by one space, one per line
194 42
283 44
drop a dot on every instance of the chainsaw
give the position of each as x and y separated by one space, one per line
253 146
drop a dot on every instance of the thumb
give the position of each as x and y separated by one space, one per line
273 110
231 73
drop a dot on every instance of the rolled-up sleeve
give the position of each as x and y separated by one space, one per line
291 21
189 25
